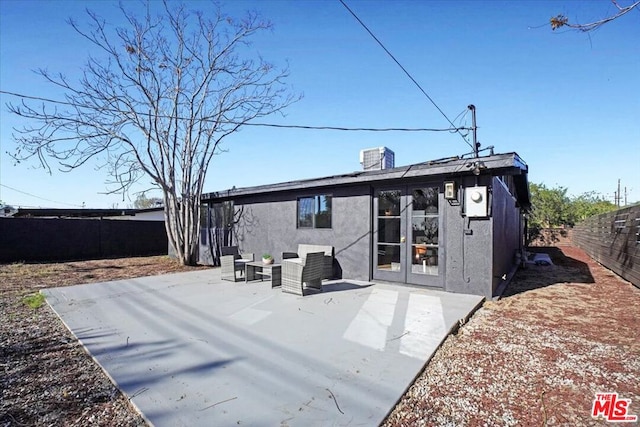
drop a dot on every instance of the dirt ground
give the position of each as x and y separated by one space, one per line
535 357
46 378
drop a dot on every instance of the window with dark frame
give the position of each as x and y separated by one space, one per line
314 211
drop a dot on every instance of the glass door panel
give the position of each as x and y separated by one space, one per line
389 203
424 239
389 257
389 240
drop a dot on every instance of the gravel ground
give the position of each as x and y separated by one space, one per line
538 356
535 357
46 377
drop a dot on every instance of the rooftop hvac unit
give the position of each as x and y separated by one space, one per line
377 158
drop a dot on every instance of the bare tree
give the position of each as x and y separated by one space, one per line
167 91
560 21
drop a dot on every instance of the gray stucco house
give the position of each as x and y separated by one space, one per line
453 224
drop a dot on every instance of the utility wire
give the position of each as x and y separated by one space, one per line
359 129
462 115
38 197
403 69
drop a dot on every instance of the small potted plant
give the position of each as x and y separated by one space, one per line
267 259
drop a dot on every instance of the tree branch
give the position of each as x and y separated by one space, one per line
560 21
157 102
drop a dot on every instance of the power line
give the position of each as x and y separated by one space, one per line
38 197
403 69
463 113
337 128
357 129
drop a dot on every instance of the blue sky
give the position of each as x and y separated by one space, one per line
568 103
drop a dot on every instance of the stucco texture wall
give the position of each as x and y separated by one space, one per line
506 233
268 224
468 261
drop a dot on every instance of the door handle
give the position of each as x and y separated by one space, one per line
403 239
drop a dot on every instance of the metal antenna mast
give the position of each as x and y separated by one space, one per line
475 129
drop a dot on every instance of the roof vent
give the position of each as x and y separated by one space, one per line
377 158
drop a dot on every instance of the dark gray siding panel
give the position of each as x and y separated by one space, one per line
352 229
468 261
268 225
506 232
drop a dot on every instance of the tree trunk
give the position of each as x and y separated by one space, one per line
183 229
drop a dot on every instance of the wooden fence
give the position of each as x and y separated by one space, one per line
52 239
613 239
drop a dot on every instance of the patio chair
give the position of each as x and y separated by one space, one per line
231 262
304 249
301 274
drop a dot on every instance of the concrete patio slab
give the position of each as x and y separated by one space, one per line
190 349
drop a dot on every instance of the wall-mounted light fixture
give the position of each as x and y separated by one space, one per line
476 167
450 190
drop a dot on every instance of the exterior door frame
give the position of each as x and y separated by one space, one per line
396 247
394 226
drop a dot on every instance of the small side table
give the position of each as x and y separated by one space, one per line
257 269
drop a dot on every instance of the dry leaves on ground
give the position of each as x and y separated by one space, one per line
537 356
46 378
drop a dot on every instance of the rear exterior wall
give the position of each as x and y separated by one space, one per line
477 251
468 246
268 224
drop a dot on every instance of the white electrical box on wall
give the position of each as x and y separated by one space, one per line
475 202
450 190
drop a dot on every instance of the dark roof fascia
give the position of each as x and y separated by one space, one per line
522 190
521 182
500 164
75 213
157 209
